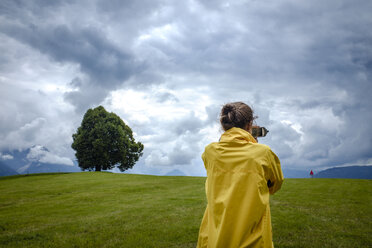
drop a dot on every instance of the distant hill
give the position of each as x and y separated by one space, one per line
38 167
6 171
355 172
175 173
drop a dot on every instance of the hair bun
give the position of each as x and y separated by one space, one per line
225 119
228 108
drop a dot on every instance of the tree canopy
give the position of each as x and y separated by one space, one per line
104 141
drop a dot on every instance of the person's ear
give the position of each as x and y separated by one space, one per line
249 127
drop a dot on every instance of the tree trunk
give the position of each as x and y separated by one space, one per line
98 168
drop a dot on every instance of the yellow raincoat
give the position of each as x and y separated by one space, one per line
238 210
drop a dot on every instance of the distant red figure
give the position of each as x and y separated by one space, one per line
311 173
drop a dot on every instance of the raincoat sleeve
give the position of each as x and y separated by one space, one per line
275 172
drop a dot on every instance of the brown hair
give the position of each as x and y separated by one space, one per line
236 114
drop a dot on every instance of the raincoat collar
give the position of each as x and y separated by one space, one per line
236 134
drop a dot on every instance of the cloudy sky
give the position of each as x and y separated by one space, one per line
167 67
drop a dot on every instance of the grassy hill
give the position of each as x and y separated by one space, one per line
92 209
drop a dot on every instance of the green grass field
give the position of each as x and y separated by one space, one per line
93 209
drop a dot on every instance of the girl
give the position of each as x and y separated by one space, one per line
240 176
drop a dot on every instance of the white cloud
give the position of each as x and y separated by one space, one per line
40 154
6 156
24 136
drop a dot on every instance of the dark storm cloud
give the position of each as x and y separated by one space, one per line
17 9
131 10
316 51
278 45
84 97
105 65
305 67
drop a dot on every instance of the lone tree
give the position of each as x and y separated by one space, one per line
104 141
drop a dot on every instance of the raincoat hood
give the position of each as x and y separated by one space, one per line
236 134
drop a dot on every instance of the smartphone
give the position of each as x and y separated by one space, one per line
259 131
